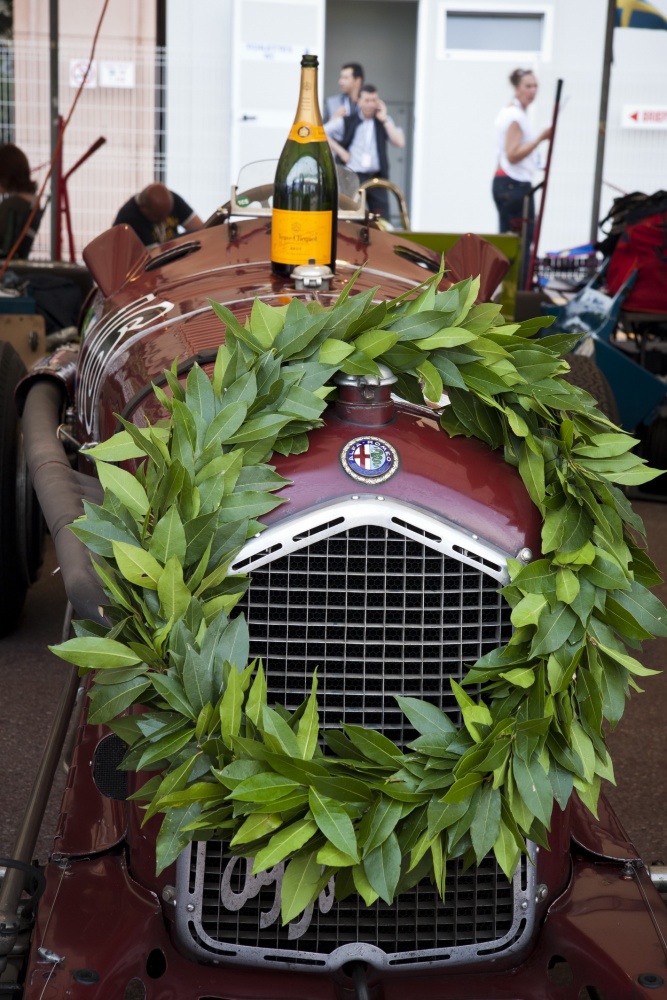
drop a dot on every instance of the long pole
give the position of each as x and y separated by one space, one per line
545 183
602 123
58 183
55 176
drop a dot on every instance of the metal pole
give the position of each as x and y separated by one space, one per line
55 176
547 171
59 188
524 256
602 125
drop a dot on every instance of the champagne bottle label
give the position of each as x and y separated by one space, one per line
297 237
305 190
307 132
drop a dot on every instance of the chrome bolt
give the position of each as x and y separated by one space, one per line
50 956
169 895
525 555
524 905
541 892
190 908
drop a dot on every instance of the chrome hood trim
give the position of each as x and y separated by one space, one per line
353 511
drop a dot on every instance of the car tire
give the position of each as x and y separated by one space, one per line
654 449
586 374
21 524
655 443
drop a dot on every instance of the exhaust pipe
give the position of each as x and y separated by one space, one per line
61 491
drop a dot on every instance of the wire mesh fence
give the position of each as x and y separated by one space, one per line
123 102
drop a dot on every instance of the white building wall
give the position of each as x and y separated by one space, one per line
458 99
232 87
578 55
199 104
456 102
636 158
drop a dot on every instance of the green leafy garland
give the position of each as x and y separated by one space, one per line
377 817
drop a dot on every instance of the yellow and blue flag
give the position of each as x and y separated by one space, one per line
638 14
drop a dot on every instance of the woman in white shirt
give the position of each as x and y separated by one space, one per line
518 159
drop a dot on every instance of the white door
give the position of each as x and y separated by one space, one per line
269 38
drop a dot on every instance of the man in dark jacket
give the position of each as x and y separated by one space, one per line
360 141
156 213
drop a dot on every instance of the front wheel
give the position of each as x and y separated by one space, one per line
655 443
654 450
21 526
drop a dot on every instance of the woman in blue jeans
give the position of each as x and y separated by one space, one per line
518 159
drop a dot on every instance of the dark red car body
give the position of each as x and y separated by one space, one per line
106 925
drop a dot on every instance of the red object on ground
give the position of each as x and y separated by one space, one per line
642 247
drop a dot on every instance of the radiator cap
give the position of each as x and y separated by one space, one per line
366 399
386 377
312 275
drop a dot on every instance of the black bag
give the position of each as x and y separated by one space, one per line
627 211
57 299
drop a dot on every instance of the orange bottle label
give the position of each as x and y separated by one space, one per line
297 237
305 132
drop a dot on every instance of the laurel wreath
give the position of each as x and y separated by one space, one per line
375 816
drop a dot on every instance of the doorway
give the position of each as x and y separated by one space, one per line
382 36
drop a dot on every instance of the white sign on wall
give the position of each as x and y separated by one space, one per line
77 71
117 74
274 51
644 116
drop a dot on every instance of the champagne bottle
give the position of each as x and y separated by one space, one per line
305 198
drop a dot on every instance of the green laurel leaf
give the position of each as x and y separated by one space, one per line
165 540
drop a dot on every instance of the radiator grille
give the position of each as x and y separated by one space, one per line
378 614
478 910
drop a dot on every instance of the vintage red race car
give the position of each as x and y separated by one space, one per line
390 586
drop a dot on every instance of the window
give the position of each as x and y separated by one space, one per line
494 31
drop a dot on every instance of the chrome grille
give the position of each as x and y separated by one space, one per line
378 614
477 914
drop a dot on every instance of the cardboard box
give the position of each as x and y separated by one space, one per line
26 334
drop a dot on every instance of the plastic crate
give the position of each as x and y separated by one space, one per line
577 268
23 305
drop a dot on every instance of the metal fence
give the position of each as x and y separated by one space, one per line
123 102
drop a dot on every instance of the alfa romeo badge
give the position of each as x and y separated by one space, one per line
369 459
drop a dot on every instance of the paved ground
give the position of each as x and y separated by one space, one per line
31 678
639 744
